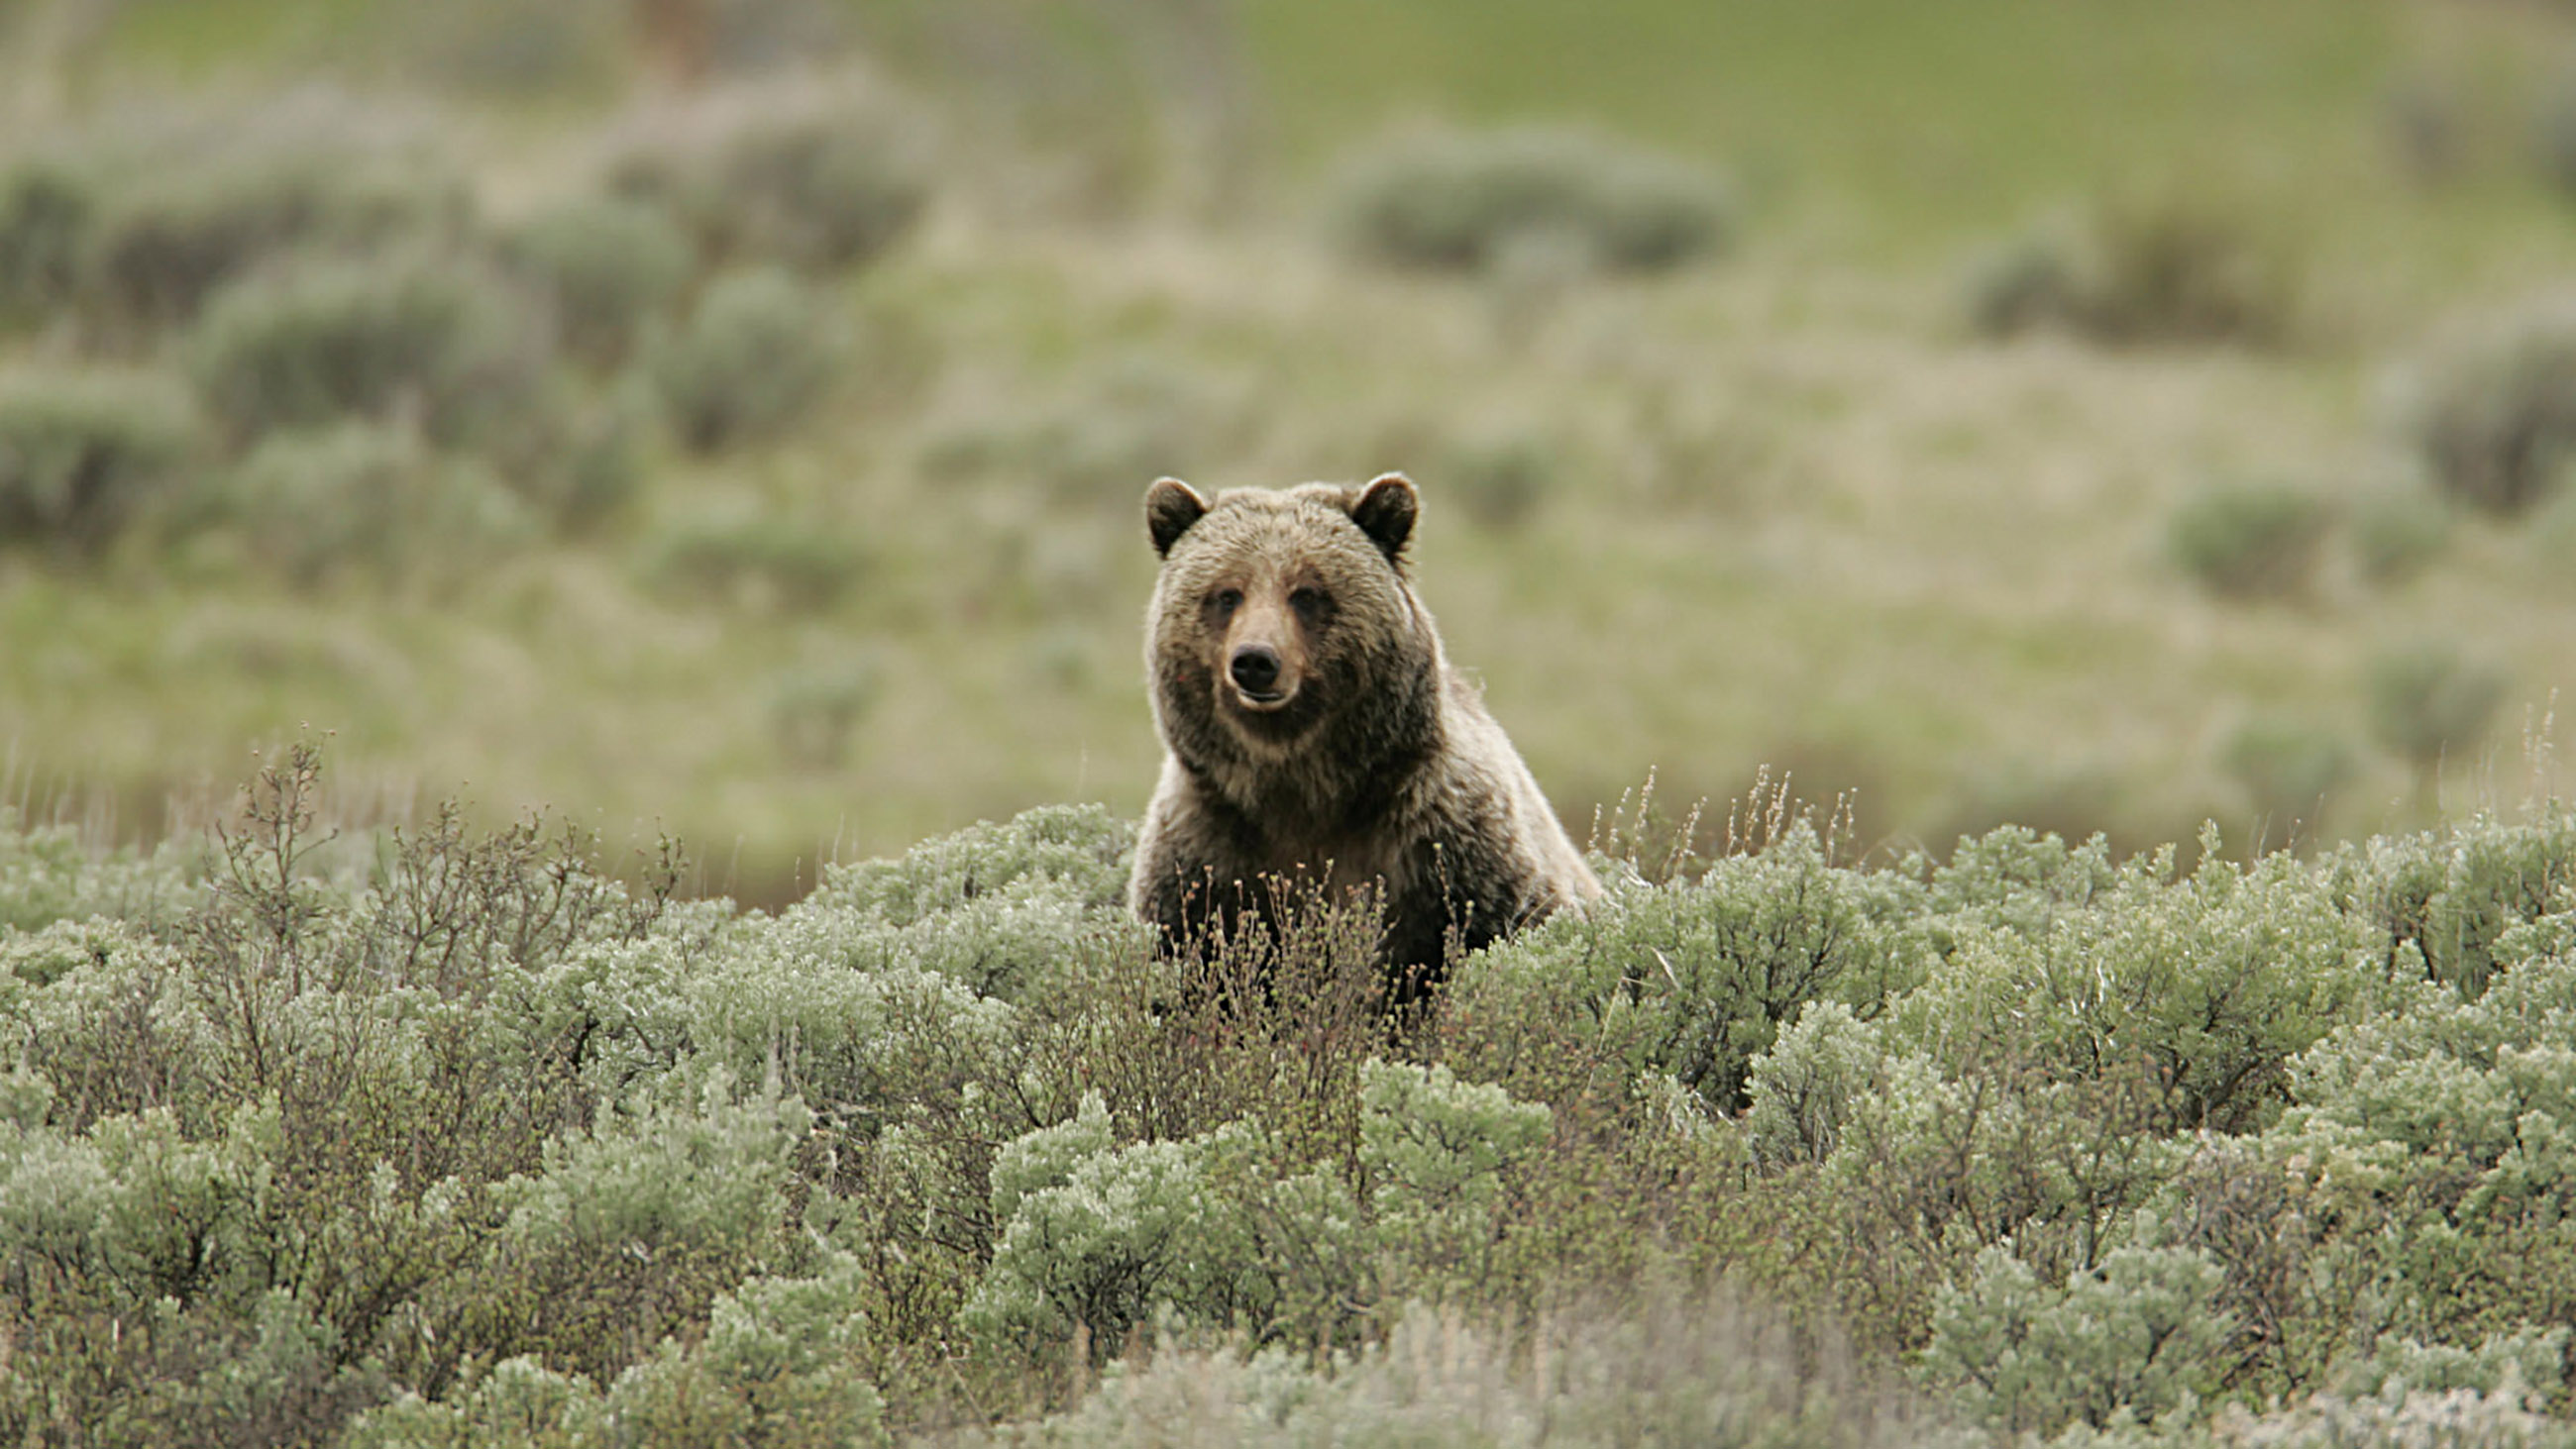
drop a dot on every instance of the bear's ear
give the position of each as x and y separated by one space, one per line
1171 506
1385 512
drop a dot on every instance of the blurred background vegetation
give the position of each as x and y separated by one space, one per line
728 417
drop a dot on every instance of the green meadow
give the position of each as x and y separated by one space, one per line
1786 504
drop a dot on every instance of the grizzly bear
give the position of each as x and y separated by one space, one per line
1317 738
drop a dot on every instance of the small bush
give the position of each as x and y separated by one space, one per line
1452 202
1133 415
437 343
47 209
755 561
2553 136
504 50
2288 768
2493 409
814 709
820 190
1500 480
2428 701
170 239
609 266
2156 267
1670 1370
2250 540
2397 532
361 499
751 360
2023 283
2126 1344
83 453
1694 980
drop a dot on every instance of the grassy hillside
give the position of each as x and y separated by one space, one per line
1785 504
441 1138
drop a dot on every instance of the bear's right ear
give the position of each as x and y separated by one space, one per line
1385 511
1171 506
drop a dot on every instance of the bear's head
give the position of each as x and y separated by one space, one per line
1282 615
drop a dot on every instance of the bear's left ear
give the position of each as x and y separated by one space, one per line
1385 512
1171 506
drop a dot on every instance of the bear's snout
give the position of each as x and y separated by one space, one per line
1255 669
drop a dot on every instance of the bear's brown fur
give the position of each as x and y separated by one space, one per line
1316 735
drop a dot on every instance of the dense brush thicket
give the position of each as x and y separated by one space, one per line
448 1139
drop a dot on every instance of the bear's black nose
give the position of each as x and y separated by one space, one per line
1255 668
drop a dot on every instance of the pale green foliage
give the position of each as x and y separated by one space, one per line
2452 1419
2443 905
2250 540
780 1364
2429 699
992 905
820 188
2127 1343
48 874
1665 1371
2494 408
84 452
1692 979
2502 1364
2208 985
364 500
753 357
1047 1157
1802 1089
171 237
2167 265
367 339
2398 532
454 1142
762 561
1467 202
1116 1237
47 207
609 266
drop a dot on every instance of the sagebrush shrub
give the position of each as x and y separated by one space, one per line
2289 769
2249 540
1136 415
367 500
750 361
49 873
2125 1343
2397 532
47 210
418 338
813 188
1502 480
441 1138
170 238
83 453
2492 410
1463 202
1694 979
2208 984
2157 266
758 561
2429 700
610 267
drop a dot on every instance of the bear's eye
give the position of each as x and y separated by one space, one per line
1226 601
1309 603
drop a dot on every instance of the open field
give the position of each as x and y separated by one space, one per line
1784 506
